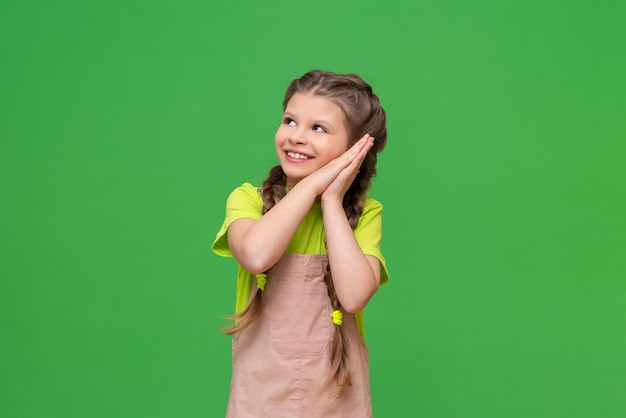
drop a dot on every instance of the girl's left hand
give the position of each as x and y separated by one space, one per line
340 185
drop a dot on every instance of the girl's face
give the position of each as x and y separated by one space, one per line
311 134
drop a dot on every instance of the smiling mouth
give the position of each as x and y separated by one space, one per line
297 156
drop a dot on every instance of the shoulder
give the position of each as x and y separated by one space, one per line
245 192
371 206
371 218
245 201
247 189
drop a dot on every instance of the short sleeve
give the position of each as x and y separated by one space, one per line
368 234
244 202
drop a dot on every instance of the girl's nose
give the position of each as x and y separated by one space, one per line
297 137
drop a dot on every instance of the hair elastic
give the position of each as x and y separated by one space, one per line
261 279
337 317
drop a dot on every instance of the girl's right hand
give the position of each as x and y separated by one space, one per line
325 175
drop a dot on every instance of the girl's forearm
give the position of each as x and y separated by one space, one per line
258 245
354 277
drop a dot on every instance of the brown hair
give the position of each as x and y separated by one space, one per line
363 114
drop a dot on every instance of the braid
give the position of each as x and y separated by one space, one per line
339 362
247 317
272 191
354 199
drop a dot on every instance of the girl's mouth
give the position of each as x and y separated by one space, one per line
297 156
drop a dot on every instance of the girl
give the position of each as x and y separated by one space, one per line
308 247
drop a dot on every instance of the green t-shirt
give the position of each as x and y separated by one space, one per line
246 202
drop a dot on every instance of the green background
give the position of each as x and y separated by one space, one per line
125 124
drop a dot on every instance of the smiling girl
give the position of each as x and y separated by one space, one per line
308 247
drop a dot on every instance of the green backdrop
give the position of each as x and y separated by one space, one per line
125 124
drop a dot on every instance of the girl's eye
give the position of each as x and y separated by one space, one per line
289 121
319 128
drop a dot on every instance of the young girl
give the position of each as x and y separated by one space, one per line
308 247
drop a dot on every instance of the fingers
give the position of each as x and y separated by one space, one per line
361 143
341 183
365 146
357 151
345 167
350 171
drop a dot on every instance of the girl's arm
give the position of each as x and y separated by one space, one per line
258 245
356 276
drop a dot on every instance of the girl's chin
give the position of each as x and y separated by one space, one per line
294 173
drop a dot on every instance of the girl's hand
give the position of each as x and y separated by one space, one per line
346 164
341 183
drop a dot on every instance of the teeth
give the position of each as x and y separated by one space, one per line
297 155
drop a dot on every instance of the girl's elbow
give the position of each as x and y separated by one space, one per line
254 266
355 304
357 301
254 263
353 308
253 270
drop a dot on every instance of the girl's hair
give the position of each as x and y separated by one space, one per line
363 114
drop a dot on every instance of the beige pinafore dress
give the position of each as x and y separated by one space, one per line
280 363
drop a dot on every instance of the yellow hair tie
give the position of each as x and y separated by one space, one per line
261 279
337 317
